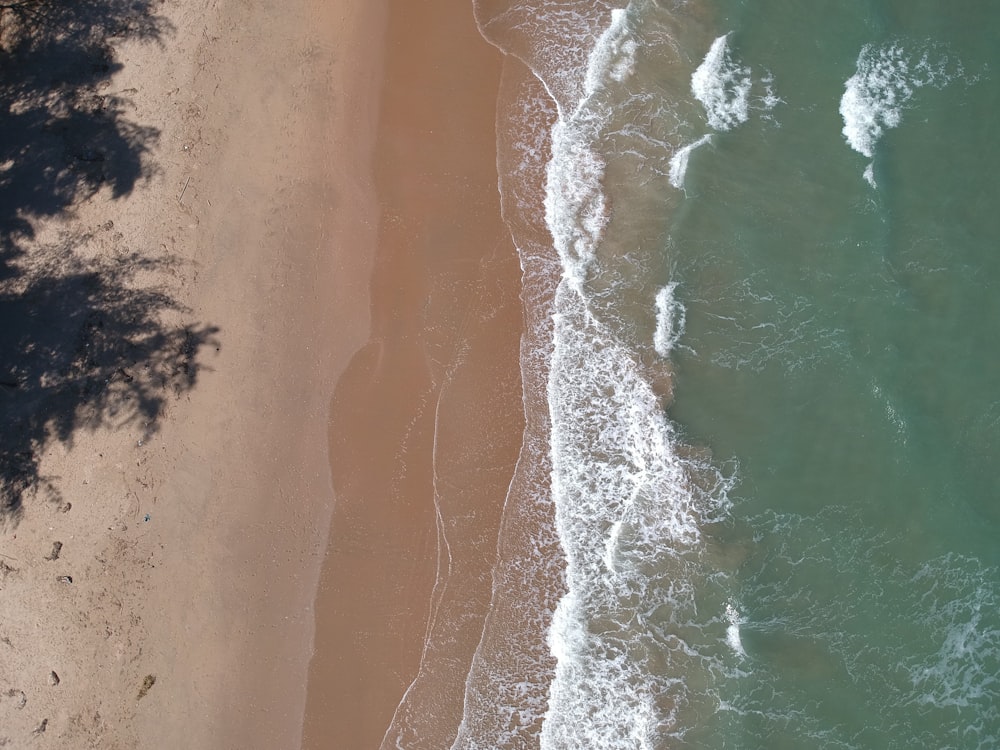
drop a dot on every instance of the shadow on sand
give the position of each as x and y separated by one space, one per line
83 343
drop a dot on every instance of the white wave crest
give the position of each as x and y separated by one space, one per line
735 619
723 87
885 81
670 319
576 206
679 161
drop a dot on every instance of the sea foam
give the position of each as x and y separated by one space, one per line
962 673
576 207
884 83
733 637
629 512
723 87
931 623
630 505
670 319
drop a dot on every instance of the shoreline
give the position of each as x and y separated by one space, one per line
427 421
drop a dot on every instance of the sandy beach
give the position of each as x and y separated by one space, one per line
179 302
261 393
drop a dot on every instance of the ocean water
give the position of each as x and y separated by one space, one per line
758 504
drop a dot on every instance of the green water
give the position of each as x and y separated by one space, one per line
843 347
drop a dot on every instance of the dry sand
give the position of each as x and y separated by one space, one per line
193 525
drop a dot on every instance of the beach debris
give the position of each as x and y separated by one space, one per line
20 698
64 507
64 579
184 189
147 682
53 678
146 518
56 549
41 727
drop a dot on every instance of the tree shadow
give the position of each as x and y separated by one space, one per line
83 343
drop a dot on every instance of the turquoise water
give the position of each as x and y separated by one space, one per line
841 344
757 504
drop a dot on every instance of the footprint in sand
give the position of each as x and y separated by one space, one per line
20 699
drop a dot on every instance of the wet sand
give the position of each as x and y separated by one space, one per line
426 422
